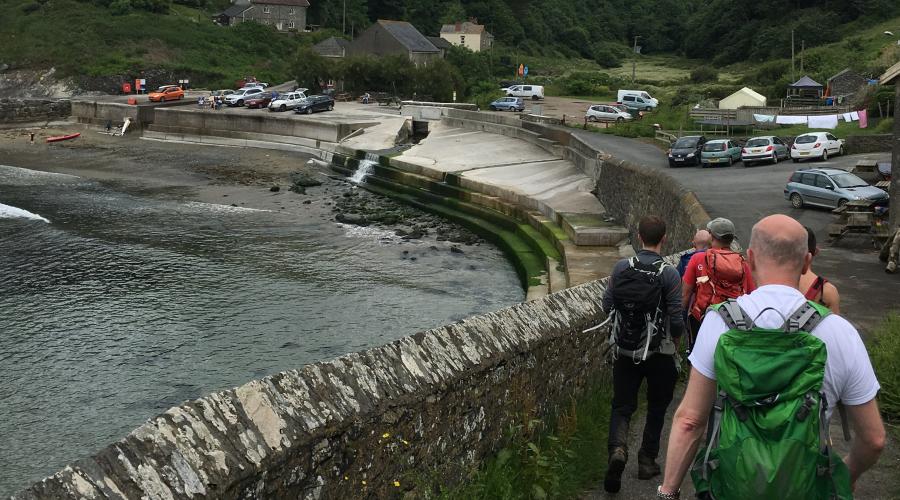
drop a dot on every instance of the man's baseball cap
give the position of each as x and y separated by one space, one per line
720 227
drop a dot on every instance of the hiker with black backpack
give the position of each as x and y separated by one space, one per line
768 369
713 276
643 300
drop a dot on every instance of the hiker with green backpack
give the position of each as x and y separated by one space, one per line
768 369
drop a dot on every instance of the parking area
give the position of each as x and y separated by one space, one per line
746 194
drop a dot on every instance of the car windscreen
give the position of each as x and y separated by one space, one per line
714 146
848 181
685 143
806 139
755 143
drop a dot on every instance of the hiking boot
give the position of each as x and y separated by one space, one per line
613 481
647 467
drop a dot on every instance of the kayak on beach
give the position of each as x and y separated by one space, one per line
63 137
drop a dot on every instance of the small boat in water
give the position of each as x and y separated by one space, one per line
63 137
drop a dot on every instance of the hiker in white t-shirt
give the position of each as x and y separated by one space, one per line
778 255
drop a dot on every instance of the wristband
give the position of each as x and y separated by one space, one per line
668 496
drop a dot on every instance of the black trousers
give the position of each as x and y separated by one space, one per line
659 370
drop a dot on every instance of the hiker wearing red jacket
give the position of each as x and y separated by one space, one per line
715 275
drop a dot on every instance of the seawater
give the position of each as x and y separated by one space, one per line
117 304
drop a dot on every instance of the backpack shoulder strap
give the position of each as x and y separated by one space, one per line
735 317
807 317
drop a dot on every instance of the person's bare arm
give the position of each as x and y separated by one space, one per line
831 298
687 289
688 426
869 438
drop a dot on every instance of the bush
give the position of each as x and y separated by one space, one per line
31 7
885 126
704 74
885 352
607 54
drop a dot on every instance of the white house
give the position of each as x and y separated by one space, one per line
468 34
744 97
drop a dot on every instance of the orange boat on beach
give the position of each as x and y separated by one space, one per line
63 137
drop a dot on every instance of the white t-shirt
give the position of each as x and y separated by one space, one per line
849 376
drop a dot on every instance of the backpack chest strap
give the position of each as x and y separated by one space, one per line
806 318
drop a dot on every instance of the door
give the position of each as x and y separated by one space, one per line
825 191
834 145
808 189
781 149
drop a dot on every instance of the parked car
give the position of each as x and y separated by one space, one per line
166 93
508 104
829 187
287 101
620 96
533 92
637 103
686 150
315 103
240 96
259 101
764 148
719 152
221 93
607 113
816 145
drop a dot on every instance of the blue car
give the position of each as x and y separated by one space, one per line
508 104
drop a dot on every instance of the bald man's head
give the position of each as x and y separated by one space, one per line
779 242
702 239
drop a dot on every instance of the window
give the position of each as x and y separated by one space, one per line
527 88
823 182
462 39
267 10
291 25
795 177
291 12
809 179
831 137
629 98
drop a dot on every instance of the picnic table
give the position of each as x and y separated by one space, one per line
860 217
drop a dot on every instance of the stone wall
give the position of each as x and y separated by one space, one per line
857 144
33 110
368 424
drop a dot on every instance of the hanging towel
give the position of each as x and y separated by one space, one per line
847 117
863 118
790 120
823 121
764 118
854 115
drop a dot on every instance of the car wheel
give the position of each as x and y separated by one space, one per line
283 107
240 102
774 158
730 161
620 120
841 202
309 110
746 163
330 107
841 151
825 155
592 118
796 200
534 98
795 160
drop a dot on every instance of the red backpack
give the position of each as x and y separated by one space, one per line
722 278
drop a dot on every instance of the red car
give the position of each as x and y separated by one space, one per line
259 100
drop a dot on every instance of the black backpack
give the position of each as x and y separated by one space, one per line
638 314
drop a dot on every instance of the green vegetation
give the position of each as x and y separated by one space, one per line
884 348
546 459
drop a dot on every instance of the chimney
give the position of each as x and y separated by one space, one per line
473 20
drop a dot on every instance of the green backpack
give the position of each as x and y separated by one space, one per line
768 435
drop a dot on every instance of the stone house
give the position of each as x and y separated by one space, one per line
468 34
395 38
333 47
283 15
845 84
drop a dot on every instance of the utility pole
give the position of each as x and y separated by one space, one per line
634 59
793 79
344 19
802 48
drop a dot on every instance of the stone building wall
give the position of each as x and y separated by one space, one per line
857 144
33 110
368 424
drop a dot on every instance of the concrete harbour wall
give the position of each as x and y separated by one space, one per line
367 424
33 110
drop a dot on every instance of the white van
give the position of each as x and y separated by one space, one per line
534 92
645 98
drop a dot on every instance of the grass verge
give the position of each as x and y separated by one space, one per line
885 352
546 459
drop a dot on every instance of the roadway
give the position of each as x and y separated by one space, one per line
746 194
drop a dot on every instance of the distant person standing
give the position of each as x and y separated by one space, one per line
643 299
815 287
715 275
702 240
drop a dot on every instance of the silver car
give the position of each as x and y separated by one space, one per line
829 187
764 148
